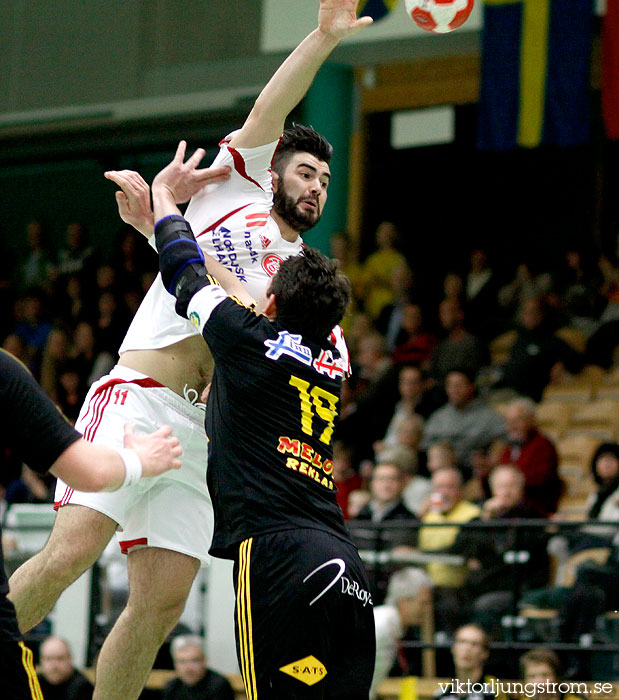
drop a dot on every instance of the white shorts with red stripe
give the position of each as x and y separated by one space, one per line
171 511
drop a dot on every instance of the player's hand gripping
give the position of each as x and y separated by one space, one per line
338 18
133 200
158 451
183 179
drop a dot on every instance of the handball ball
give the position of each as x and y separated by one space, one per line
439 16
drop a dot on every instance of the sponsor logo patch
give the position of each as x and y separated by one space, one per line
194 317
308 670
287 344
271 263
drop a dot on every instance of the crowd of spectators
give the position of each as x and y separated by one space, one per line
425 443
65 313
419 441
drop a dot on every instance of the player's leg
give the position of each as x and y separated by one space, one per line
78 538
294 591
159 583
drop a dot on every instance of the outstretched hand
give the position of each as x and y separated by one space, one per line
338 18
133 200
158 451
183 179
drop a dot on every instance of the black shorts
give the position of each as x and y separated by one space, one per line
304 621
19 678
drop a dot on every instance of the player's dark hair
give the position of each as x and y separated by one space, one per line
300 139
311 293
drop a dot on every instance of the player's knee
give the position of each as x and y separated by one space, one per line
161 611
71 550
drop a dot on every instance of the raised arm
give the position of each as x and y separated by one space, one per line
133 198
265 123
178 182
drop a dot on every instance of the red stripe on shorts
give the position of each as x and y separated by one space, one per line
125 545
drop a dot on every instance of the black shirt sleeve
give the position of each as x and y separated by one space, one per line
32 425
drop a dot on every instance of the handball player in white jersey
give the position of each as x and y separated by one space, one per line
165 524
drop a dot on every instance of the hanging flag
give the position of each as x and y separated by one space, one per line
535 73
376 9
610 69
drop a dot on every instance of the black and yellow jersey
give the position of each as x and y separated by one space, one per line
270 417
33 427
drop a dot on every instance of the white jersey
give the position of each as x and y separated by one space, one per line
231 221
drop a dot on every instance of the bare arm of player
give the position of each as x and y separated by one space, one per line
265 123
133 198
177 183
87 466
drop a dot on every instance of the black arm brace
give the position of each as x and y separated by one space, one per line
181 261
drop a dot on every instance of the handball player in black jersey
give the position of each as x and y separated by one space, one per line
304 622
33 427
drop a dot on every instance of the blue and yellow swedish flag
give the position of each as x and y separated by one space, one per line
535 73
376 9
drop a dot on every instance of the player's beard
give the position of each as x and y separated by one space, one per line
287 208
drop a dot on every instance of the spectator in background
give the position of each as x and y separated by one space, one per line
77 257
194 680
466 421
602 505
386 486
342 251
390 320
70 302
441 455
109 324
55 353
71 390
458 348
537 355
357 500
106 279
445 505
413 402
541 667
535 455
379 267
33 329
374 395
15 344
344 475
128 262
453 288
58 678
37 269
470 653
414 345
30 487
417 488
480 296
529 281
89 361
487 594
373 360
407 603
385 506
575 292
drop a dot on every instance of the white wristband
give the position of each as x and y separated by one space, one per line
133 466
